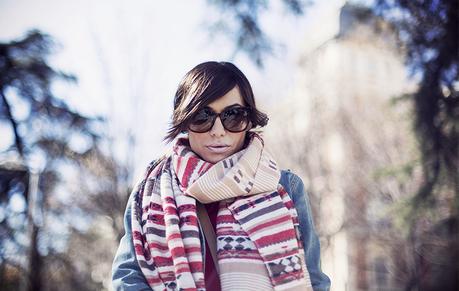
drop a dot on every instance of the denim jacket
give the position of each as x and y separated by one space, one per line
127 276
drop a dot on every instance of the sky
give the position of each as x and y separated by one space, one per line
129 57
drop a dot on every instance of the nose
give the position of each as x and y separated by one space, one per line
217 129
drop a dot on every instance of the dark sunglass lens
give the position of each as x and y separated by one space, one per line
202 120
235 119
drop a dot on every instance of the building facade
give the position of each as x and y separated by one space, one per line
343 130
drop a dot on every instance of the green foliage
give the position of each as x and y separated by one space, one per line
429 30
401 173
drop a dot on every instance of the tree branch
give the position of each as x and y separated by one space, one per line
17 138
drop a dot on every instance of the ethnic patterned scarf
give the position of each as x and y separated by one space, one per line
258 243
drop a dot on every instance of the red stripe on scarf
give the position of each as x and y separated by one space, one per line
269 223
172 210
139 250
197 266
154 281
153 206
173 236
276 238
159 246
196 249
182 268
156 218
178 252
162 261
226 218
190 166
137 235
204 167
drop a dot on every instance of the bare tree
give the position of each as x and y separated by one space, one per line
44 131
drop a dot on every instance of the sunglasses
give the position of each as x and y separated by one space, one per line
234 119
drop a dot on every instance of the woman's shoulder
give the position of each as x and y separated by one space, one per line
153 164
290 180
157 161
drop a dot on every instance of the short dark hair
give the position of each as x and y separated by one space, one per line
204 84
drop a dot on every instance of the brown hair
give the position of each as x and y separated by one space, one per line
204 84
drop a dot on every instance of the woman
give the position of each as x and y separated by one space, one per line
216 213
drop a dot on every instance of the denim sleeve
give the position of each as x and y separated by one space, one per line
295 187
126 273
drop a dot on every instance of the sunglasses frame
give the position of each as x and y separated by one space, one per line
215 115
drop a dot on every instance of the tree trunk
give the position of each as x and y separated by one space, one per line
34 276
34 280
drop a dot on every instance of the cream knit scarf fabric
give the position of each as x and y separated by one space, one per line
258 243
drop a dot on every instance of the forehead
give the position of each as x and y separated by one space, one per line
232 97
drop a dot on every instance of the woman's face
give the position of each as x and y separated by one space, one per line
218 143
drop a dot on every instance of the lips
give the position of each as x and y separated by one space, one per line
218 148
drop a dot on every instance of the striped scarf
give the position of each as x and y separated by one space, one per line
258 243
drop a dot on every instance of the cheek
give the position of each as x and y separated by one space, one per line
196 140
238 140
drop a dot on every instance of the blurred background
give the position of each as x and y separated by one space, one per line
363 100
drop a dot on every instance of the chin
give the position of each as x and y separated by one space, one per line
215 158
